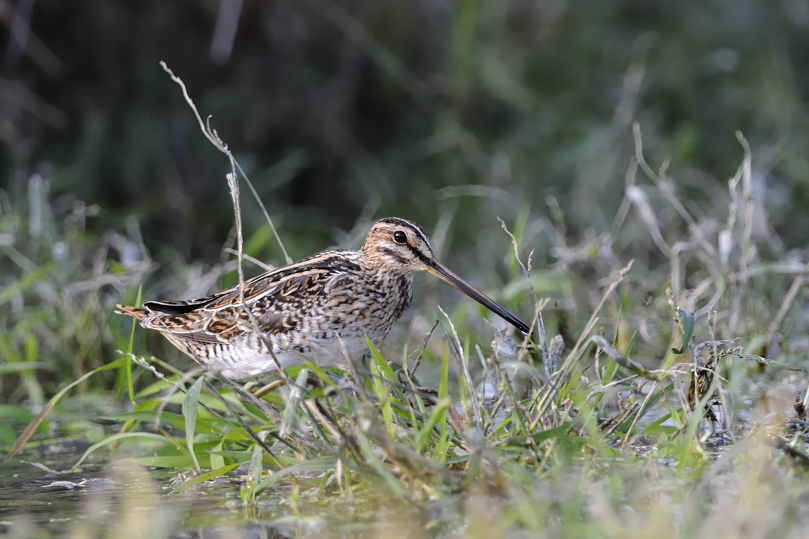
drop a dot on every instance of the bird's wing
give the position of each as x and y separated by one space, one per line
278 300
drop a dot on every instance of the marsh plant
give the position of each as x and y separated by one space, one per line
654 396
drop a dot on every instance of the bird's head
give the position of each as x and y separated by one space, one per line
401 246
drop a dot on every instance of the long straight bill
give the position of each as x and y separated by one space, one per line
445 274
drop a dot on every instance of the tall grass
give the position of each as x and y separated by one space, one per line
664 392
636 416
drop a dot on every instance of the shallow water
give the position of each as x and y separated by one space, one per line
111 497
123 500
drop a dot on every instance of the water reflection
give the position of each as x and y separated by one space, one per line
124 500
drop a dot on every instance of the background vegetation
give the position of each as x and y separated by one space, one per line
359 106
450 114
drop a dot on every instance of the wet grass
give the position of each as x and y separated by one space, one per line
667 398
655 397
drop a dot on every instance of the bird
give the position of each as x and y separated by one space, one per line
321 308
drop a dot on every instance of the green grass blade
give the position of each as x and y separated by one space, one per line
130 384
217 460
25 282
309 466
295 395
114 438
380 361
32 426
378 465
437 416
205 477
254 472
380 369
190 401
172 461
687 323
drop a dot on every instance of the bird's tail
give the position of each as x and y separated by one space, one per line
134 312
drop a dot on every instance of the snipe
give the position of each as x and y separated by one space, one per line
321 307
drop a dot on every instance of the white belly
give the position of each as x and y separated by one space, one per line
327 353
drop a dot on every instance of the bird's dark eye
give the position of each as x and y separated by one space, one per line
400 237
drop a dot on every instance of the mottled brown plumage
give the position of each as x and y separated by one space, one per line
321 307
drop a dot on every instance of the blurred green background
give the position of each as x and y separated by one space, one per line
392 108
447 113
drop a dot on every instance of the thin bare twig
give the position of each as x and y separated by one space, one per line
232 178
213 137
473 398
543 341
789 298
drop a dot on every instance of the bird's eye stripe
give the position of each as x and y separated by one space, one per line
418 254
